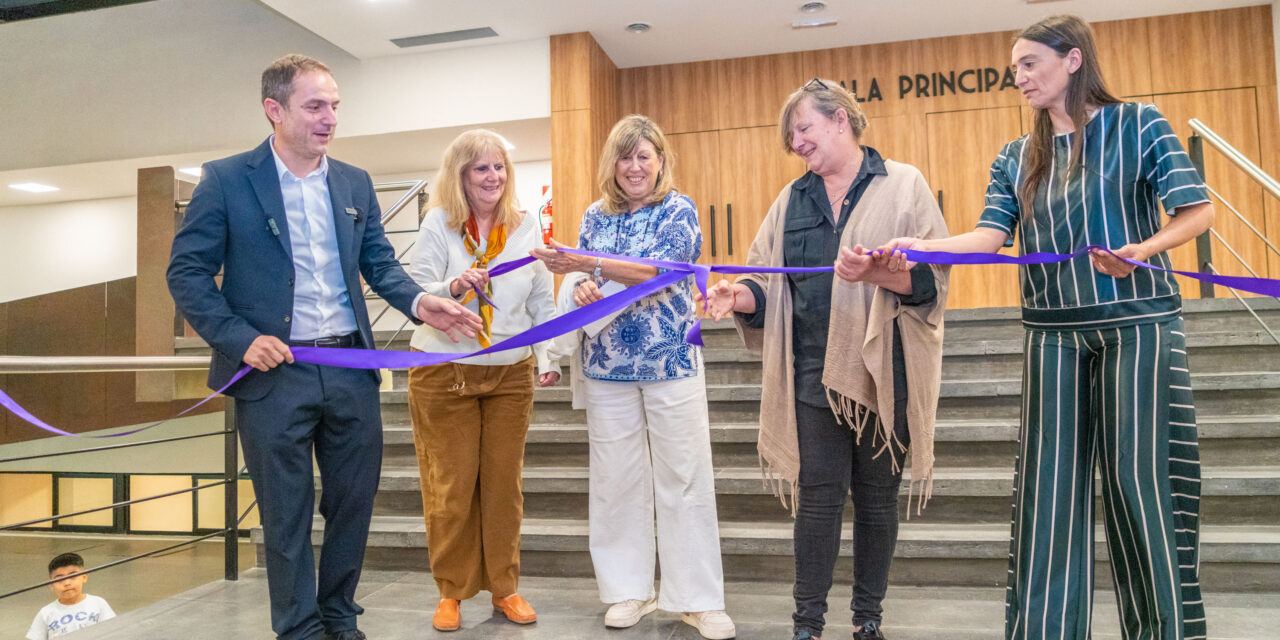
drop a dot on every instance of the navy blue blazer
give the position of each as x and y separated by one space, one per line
228 228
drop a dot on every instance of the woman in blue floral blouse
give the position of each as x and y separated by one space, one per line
645 395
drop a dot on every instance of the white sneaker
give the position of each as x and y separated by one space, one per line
628 612
713 625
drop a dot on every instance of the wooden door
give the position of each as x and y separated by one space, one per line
962 145
753 169
1232 114
696 158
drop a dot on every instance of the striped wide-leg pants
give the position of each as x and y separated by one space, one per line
1120 397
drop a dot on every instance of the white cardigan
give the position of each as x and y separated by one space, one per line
523 297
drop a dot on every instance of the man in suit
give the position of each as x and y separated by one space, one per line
292 232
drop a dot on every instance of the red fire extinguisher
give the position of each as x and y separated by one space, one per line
544 212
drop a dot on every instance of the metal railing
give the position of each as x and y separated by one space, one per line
230 532
415 190
1202 133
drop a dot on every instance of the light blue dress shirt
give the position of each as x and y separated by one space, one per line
321 304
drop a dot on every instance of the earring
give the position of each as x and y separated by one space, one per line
842 131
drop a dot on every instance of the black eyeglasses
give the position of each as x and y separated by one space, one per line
816 81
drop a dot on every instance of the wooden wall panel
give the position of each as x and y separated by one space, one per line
570 71
1233 115
1212 50
605 105
573 170
1124 55
65 323
855 67
752 90
961 172
1207 51
1269 133
902 138
963 53
676 96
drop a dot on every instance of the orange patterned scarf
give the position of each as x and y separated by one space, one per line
493 247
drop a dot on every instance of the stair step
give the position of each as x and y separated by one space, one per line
981 388
1232 558
974 482
974 430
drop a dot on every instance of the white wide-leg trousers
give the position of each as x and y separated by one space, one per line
651 459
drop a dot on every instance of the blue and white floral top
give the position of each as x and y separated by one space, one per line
646 341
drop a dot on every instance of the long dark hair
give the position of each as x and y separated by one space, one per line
1085 89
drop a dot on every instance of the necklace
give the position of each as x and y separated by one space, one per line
840 194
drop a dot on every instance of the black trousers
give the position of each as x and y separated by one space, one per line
834 465
335 414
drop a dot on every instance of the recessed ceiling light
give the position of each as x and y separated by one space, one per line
33 187
813 7
191 171
815 22
638 27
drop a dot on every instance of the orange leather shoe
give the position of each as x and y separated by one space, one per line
515 608
447 617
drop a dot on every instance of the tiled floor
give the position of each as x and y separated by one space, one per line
398 605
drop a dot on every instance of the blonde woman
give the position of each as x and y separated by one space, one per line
645 395
470 416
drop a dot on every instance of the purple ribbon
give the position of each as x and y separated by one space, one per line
675 271
21 412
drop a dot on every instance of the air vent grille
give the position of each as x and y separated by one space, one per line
445 36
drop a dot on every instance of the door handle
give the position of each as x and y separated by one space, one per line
713 231
728 220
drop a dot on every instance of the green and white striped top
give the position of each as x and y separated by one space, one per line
1132 160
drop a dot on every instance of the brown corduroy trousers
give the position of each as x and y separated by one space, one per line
469 425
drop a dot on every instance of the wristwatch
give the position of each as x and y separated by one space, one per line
599 262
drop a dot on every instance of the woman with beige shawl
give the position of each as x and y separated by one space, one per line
851 365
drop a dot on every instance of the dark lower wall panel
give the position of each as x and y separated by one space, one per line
92 320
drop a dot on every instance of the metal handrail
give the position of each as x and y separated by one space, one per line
414 189
230 474
132 558
1237 158
1246 222
1233 252
100 364
1247 307
414 186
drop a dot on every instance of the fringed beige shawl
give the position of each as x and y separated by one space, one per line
859 360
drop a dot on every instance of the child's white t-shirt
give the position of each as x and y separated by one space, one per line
57 619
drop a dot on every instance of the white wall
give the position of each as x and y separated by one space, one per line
46 248
174 76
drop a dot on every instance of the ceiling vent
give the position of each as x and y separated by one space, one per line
445 36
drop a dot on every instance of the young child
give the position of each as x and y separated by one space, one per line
74 609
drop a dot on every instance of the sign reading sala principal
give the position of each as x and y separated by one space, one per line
940 83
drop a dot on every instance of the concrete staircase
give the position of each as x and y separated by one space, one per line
962 538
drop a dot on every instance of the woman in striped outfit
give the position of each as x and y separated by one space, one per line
1105 374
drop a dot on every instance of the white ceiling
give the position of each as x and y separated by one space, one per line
685 30
407 152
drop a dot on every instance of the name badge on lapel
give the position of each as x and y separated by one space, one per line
355 215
